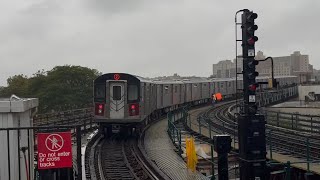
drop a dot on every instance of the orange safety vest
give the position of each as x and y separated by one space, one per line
218 96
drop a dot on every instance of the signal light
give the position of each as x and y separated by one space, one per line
252 16
253 75
251 29
133 106
253 63
252 87
252 40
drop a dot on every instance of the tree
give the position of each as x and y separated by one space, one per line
17 85
62 88
69 87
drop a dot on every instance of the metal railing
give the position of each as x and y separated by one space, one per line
63 118
173 132
294 121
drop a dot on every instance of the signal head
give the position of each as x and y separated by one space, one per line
252 16
252 40
253 75
253 87
253 28
253 63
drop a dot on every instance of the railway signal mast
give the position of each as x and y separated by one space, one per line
251 125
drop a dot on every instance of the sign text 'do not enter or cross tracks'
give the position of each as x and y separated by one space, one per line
54 150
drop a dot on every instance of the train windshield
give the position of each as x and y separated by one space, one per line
100 91
132 92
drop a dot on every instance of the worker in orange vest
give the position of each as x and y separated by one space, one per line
213 98
218 97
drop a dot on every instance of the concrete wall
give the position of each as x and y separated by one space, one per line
16 113
304 90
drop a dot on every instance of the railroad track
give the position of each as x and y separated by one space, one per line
119 157
282 140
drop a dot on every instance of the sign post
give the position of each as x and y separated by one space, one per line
54 150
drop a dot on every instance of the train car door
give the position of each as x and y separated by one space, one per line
117 99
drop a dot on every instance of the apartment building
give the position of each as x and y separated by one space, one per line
295 64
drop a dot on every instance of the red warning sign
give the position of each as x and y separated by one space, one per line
54 150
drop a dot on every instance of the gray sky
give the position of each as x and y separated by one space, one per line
145 37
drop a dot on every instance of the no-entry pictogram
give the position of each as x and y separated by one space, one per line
54 150
54 142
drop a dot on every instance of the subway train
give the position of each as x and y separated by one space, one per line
128 102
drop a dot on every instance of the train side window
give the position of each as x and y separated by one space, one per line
132 92
116 93
166 89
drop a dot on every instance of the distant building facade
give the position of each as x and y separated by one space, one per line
226 68
316 75
294 65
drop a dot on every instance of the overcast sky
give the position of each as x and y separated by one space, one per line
147 37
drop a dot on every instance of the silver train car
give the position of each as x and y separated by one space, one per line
124 101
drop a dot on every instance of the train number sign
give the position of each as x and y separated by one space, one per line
54 150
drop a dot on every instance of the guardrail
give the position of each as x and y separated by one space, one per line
63 118
294 121
173 132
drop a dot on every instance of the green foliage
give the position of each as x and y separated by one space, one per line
62 88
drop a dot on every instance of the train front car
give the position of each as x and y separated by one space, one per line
117 102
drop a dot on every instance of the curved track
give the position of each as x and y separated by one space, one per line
284 141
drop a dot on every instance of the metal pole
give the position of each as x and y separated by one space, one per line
173 138
311 124
270 144
29 155
199 125
212 158
212 164
79 152
19 163
180 149
288 171
209 130
90 123
8 145
308 155
23 149
291 121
